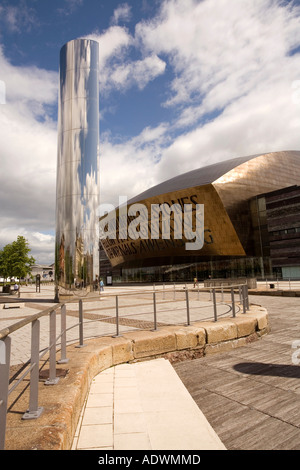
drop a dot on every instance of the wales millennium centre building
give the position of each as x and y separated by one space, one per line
251 224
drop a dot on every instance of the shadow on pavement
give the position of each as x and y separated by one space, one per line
275 370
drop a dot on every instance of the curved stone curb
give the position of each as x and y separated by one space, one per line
63 402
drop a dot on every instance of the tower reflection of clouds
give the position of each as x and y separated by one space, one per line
77 193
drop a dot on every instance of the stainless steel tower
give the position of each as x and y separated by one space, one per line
77 187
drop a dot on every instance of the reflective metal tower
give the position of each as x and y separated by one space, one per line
77 186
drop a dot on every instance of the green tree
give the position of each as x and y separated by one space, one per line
5 257
15 260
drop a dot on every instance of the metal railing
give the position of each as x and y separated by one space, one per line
158 298
32 367
282 284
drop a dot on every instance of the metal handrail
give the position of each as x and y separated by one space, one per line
25 321
34 410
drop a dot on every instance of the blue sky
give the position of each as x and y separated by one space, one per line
183 83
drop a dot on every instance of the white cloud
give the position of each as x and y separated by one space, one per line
220 50
18 18
28 138
231 91
69 6
26 85
122 13
136 160
112 44
117 70
140 72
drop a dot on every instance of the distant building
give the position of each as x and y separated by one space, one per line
46 272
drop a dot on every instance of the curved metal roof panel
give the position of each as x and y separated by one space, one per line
198 177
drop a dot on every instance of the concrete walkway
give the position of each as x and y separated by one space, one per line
143 406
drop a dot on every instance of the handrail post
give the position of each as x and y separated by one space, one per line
215 304
52 380
80 345
117 314
187 307
34 411
244 298
154 312
240 294
247 296
63 325
232 301
117 318
5 346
